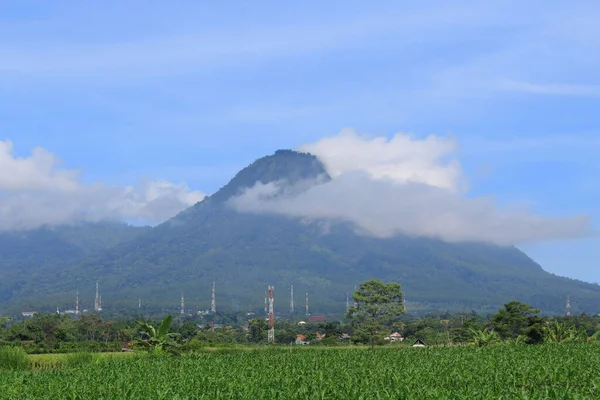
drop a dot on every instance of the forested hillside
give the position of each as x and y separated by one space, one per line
243 253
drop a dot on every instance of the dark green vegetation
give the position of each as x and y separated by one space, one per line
515 322
518 372
29 257
244 253
376 305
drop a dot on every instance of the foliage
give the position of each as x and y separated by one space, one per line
513 319
159 339
12 358
257 330
515 372
377 304
485 337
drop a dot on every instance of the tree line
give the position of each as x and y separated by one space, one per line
377 311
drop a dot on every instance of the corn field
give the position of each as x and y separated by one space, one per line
550 371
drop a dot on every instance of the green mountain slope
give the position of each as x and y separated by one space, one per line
244 253
25 255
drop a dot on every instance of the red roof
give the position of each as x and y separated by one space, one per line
300 337
317 318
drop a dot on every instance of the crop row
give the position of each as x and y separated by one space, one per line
532 372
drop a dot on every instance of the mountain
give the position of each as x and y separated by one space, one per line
245 252
26 254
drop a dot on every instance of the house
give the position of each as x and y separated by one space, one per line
320 337
394 337
317 318
419 343
28 313
301 339
344 336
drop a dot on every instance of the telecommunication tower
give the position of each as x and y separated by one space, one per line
182 304
568 306
271 335
292 299
213 302
97 300
77 303
307 304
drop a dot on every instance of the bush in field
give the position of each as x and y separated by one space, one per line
13 358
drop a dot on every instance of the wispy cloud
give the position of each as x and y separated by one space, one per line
190 51
403 186
36 191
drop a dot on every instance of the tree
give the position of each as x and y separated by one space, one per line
377 304
257 330
514 318
3 321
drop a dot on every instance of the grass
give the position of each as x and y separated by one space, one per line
56 361
515 372
13 358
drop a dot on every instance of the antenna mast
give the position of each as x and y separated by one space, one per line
292 299
306 303
568 306
182 304
98 300
77 303
213 303
271 335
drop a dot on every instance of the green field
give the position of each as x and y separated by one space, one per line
504 371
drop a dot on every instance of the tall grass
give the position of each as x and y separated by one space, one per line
81 358
13 358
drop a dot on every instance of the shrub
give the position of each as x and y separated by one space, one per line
13 358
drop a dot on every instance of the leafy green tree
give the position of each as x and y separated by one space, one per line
286 335
535 332
377 304
188 329
513 319
257 330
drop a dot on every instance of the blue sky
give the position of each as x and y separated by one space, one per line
131 91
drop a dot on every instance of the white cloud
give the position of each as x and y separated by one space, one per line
401 159
400 185
36 191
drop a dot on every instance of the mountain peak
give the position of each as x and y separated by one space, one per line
284 165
